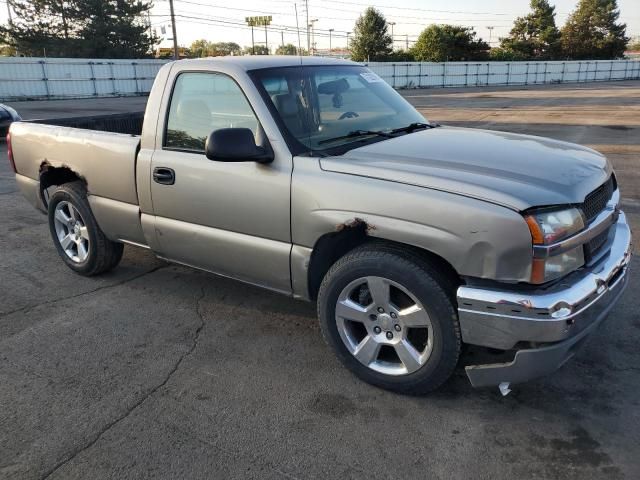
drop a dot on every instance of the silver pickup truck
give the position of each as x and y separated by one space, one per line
314 178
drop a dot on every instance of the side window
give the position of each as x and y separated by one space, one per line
202 103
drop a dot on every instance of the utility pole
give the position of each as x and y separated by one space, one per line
392 37
306 7
295 6
348 33
176 54
330 30
253 43
407 42
266 43
9 12
490 32
282 39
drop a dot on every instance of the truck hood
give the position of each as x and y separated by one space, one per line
516 171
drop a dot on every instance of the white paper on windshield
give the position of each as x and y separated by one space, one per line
371 77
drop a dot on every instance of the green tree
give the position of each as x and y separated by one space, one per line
500 54
287 49
535 36
81 28
371 39
43 26
115 28
201 48
592 31
226 48
259 50
442 43
634 46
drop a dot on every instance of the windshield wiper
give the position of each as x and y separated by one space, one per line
412 127
355 134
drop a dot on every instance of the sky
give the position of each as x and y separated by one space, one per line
220 21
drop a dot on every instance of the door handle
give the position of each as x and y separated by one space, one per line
164 176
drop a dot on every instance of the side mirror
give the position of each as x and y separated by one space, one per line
235 145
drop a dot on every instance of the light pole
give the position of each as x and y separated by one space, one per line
490 32
348 33
392 37
313 35
330 30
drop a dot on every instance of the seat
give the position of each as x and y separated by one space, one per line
291 111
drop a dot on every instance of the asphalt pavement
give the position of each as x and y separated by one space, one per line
159 371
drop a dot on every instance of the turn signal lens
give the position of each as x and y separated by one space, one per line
551 226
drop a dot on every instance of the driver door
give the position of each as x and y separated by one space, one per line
230 218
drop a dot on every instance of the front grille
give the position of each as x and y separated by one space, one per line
593 248
595 202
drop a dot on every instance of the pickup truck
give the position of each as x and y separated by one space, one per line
314 178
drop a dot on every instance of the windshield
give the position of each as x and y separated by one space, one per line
324 108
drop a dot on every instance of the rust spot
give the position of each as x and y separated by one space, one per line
356 223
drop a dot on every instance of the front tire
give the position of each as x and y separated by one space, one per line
76 234
387 316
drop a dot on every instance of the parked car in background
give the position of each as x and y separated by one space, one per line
7 116
314 178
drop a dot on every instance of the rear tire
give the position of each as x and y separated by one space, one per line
406 340
76 234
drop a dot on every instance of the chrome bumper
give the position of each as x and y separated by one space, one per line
560 317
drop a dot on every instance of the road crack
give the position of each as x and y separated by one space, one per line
76 295
145 397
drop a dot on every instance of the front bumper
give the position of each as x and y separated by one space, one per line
559 318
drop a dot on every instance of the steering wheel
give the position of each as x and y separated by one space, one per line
348 115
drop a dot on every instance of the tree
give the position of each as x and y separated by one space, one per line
591 31
204 48
442 43
288 49
43 27
77 28
259 50
201 48
634 45
226 48
500 54
534 36
371 41
115 28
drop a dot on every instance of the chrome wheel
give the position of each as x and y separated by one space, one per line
384 326
71 231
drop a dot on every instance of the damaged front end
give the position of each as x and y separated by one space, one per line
542 329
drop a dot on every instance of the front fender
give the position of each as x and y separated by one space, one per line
478 238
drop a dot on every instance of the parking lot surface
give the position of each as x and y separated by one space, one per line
159 371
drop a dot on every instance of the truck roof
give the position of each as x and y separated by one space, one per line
254 62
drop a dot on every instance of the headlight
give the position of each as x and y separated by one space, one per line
548 227
551 226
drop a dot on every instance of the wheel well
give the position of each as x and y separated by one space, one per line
50 176
332 246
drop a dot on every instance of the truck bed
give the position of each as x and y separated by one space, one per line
104 159
129 123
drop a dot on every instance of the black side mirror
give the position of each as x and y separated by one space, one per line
235 145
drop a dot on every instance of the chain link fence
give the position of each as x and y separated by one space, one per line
54 78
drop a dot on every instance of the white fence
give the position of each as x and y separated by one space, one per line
471 74
44 78
41 78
